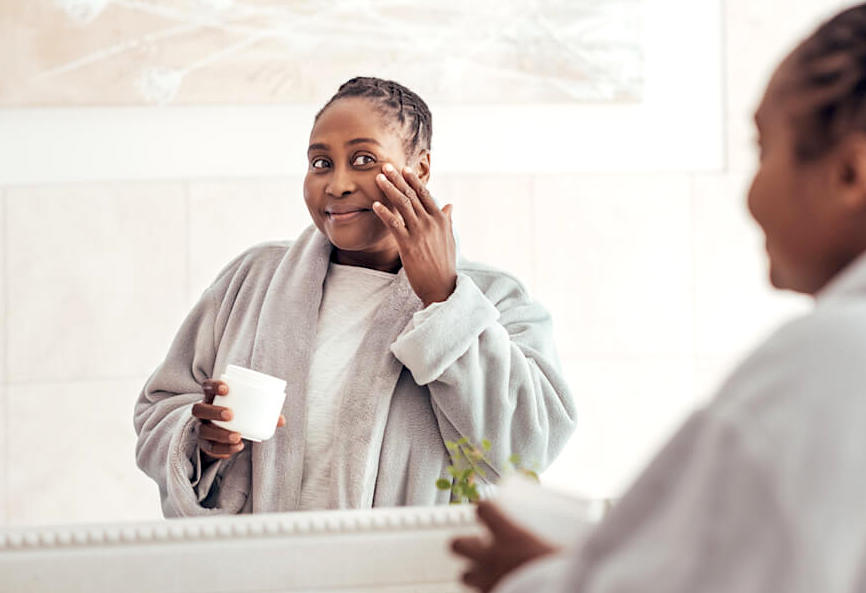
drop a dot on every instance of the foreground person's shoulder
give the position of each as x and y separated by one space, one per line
812 366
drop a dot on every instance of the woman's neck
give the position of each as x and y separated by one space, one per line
384 261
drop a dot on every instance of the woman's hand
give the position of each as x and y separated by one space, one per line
215 441
423 232
509 548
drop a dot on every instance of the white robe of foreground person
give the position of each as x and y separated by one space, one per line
763 490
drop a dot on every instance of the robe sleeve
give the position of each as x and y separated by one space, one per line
488 360
167 448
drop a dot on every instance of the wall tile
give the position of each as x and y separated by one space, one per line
735 306
493 220
580 467
4 458
227 217
4 430
72 454
758 36
614 263
4 287
627 409
96 279
751 53
711 373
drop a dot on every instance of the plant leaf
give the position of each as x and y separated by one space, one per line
530 474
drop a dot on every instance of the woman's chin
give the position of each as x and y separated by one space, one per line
356 242
778 278
786 279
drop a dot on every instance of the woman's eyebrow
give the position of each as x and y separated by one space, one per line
317 146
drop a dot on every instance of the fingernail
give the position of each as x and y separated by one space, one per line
388 167
408 169
236 438
377 204
381 177
225 415
223 389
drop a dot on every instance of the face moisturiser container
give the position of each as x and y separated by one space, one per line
255 400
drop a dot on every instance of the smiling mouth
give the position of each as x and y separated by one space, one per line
346 216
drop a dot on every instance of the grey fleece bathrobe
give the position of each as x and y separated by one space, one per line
481 365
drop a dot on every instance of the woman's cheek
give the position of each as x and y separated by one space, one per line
312 203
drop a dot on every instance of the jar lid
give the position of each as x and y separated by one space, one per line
255 377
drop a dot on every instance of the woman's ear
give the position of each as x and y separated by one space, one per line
423 166
851 172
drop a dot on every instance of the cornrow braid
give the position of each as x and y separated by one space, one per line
829 84
395 101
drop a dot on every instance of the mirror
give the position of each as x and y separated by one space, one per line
146 144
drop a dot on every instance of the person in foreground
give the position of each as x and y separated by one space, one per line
763 490
390 344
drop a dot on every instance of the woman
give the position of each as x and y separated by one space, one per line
390 346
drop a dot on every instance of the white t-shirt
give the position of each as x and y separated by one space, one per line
351 295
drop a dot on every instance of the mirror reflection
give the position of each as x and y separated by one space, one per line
389 346
582 285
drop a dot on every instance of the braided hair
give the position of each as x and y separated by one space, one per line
395 101
829 83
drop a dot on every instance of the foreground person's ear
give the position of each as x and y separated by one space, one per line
849 176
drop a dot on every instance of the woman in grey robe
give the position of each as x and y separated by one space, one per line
448 350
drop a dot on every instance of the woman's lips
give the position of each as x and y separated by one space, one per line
345 216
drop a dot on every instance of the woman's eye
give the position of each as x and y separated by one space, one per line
320 164
362 159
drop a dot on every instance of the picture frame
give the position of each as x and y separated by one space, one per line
677 126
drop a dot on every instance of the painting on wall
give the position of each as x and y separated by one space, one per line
260 52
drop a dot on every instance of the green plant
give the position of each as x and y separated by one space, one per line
466 460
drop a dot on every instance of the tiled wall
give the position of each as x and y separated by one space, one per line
656 283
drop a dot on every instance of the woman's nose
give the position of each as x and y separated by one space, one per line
341 183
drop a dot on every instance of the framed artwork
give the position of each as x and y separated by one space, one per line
155 89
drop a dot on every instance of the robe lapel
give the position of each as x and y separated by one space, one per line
287 322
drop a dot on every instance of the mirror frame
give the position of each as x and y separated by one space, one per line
356 551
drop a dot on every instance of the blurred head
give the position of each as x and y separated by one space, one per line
809 193
367 123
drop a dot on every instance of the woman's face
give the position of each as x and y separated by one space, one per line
348 146
796 202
